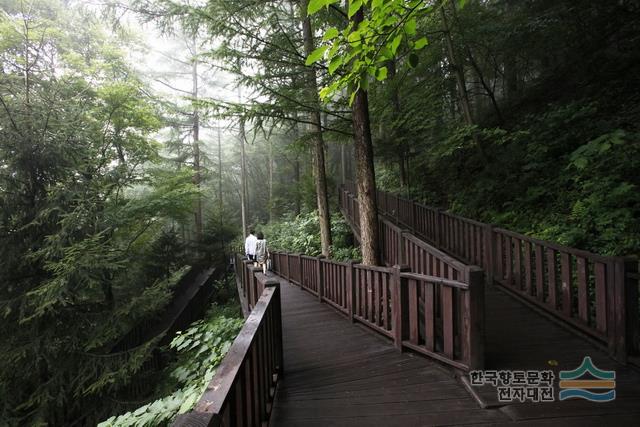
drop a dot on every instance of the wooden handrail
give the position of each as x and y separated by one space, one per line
434 280
244 384
386 300
596 294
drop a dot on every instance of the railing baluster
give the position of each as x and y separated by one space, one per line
583 289
565 267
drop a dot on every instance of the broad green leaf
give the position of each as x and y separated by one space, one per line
410 26
324 92
316 55
354 38
381 74
330 34
316 5
385 53
354 6
335 64
333 50
420 43
352 96
395 43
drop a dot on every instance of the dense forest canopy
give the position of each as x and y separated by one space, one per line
139 137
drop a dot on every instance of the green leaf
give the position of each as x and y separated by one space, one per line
395 43
316 55
352 97
381 74
354 6
385 53
316 5
580 163
420 43
354 38
335 64
410 26
330 34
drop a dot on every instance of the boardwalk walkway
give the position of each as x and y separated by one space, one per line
342 374
300 362
520 338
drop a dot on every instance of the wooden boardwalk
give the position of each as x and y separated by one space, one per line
342 374
520 338
316 367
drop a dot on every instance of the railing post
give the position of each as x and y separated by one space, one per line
474 319
623 335
402 258
381 240
351 288
288 276
399 305
253 285
245 275
320 277
413 217
489 253
438 226
300 270
397 211
633 311
274 283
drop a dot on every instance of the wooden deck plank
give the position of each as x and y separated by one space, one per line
336 372
343 374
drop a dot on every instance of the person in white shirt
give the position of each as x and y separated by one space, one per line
250 246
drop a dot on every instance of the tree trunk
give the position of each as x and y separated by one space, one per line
197 177
319 171
463 95
219 171
365 174
243 179
397 132
243 164
220 201
271 165
343 165
478 70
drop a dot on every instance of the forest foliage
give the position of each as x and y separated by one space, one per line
200 349
522 114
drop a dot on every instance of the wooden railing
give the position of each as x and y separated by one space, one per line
595 294
190 299
241 392
436 316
